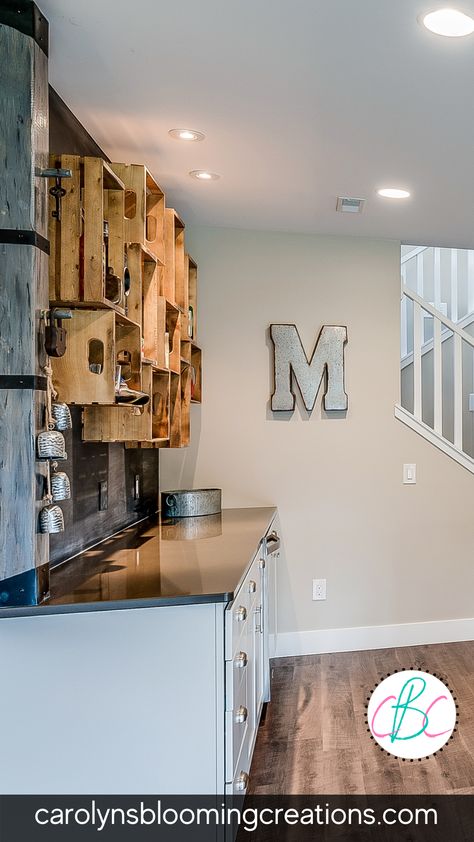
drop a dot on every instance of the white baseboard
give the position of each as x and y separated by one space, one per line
318 641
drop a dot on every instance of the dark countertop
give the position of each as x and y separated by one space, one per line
158 562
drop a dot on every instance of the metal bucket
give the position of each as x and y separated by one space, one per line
192 502
51 445
51 520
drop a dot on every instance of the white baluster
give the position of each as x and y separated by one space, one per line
417 341
454 286
438 377
419 274
470 282
457 391
404 327
437 278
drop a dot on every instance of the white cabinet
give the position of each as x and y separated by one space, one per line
140 701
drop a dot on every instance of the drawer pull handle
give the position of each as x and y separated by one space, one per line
252 586
241 715
242 782
258 619
241 660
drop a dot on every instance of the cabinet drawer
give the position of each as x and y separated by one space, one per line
236 675
236 725
239 615
241 777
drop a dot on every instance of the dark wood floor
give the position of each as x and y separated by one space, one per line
314 738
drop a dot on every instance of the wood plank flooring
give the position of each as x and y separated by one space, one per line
314 738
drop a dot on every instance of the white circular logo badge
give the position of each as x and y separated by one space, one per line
411 714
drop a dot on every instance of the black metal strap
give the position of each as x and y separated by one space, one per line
25 16
19 237
24 381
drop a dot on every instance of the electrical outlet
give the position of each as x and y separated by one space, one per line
136 487
103 496
319 589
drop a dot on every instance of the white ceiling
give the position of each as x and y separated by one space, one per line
301 101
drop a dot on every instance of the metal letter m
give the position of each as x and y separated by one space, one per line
291 362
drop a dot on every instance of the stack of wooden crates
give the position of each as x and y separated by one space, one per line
152 328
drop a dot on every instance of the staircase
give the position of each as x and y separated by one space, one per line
437 348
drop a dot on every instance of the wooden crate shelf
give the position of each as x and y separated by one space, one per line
144 208
79 268
132 424
126 328
96 341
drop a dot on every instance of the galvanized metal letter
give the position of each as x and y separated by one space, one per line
291 361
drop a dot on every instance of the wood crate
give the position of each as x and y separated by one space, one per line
132 424
144 208
95 339
77 272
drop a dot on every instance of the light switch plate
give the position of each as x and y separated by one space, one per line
409 474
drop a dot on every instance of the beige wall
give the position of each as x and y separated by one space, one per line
391 553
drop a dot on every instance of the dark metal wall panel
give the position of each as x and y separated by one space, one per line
88 465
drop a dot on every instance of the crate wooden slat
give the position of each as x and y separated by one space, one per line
174 258
192 294
64 236
173 328
185 386
175 410
196 365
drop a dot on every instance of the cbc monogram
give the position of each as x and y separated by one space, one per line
292 364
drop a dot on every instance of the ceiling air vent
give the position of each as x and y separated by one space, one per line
347 204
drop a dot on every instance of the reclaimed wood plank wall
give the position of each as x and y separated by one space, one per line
23 297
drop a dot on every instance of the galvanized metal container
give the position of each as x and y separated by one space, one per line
191 502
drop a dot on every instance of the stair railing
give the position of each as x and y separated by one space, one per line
440 321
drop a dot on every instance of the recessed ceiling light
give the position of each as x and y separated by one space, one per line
186 134
449 22
393 193
204 175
